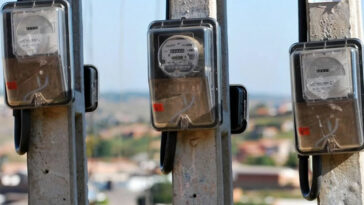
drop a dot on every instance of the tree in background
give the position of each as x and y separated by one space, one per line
292 161
263 160
162 193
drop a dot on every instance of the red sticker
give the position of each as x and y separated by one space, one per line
12 85
158 107
304 131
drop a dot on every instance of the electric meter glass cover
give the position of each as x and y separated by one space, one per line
184 74
327 90
37 53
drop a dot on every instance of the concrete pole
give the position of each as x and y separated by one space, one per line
343 175
57 169
202 167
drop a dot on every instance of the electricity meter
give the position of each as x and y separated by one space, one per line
327 85
184 74
37 53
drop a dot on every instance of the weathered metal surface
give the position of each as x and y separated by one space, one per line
79 120
225 127
202 169
342 175
57 169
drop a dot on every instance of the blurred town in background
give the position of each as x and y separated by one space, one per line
123 152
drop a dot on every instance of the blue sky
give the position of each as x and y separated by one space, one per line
259 38
260 34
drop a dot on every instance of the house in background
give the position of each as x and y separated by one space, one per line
264 177
277 149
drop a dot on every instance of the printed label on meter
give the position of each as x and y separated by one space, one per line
325 77
35 32
179 55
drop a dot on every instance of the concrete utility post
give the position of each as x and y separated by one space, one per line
343 175
57 169
202 167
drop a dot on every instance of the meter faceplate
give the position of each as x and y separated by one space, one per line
178 55
326 89
326 74
37 55
183 74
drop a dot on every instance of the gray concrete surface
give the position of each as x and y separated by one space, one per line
342 174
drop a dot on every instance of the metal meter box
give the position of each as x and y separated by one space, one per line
184 74
327 86
37 53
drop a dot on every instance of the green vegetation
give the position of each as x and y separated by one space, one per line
276 194
271 120
116 147
286 135
253 135
263 160
292 161
106 202
265 197
161 193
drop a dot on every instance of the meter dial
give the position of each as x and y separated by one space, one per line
326 78
32 35
179 55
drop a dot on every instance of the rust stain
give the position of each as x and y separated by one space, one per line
195 137
195 140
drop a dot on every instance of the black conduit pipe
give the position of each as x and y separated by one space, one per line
310 193
21 130
168 150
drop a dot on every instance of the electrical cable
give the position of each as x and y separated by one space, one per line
168 150
310 193
21 130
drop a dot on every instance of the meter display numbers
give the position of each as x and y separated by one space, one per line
179 55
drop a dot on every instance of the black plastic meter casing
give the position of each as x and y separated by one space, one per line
184 74
327 87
